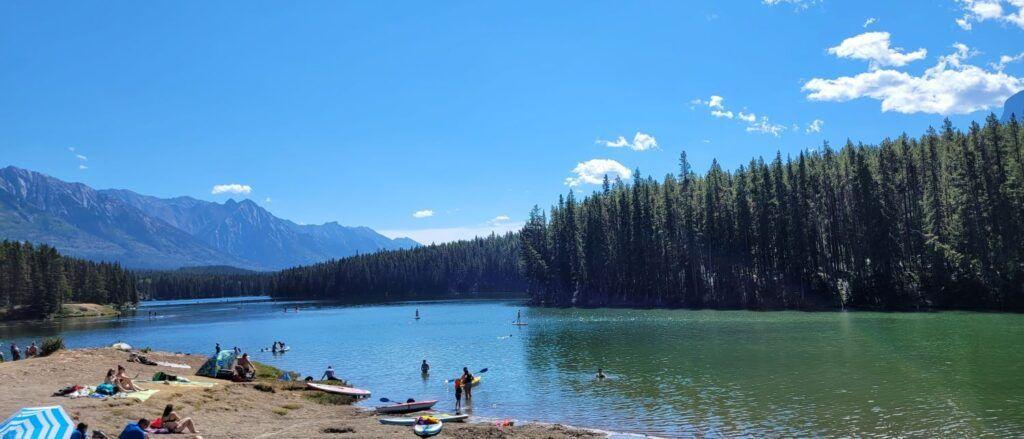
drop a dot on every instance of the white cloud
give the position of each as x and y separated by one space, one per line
641 142
815 126
71 148
799 5
425 213
875 48
1003 11
716 104
83 167
81 157
268 200
593 172
869 22
449 234
1006 59
498 220
233 188
949 87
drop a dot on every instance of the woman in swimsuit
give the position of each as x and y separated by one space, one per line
124 383
176 424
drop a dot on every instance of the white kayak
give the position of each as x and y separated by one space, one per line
340 390
443 417
407 407
427 430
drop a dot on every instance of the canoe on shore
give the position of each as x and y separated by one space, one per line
407 407
339 390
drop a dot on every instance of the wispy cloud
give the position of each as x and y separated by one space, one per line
950 87
1006 59
83 167
81 157
425 213
798 5
268 200
593 172
232 188
869 22
499 219
753 123
641 142
449 234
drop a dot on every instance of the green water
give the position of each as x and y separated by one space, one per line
672 373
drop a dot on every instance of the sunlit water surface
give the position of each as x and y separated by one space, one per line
672 373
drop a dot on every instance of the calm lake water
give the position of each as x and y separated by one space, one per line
672 373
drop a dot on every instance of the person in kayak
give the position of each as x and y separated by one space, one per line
467 384
329 374
458 395
424 367
600 374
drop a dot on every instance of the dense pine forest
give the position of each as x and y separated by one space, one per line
913 223
481 265
202 283
35 280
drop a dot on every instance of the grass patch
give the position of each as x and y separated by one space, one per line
292 406
86 310
339 430
267 372
280 411
51 345
330 398
262 387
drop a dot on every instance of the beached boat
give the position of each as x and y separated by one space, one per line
340 390
443 417
427 430
407 407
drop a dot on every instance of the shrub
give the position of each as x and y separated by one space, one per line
51 345
264 388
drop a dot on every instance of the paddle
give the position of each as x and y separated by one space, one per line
396 402
478 373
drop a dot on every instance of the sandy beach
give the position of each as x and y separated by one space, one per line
262 409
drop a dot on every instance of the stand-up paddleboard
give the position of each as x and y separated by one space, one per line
407 407
398 421
339 390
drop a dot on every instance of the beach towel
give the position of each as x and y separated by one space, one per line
141 396
203 384
174 365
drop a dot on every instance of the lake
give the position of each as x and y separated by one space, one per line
671 373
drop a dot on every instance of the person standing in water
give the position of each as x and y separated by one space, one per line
467 384
424 367
600 374
458 395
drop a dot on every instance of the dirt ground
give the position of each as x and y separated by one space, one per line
265 409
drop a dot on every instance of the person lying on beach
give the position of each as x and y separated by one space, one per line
329 374
124 383
174 423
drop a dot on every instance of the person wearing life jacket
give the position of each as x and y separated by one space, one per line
458 395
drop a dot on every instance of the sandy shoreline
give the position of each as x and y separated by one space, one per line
226 410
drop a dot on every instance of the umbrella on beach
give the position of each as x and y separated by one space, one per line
37 423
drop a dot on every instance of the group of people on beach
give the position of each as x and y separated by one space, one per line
168 422
120 380
32 351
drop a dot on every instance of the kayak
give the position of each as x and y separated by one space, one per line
443 417
520 323
427 430
407 407
339 390
476 381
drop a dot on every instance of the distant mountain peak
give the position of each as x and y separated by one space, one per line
150 232
1014 106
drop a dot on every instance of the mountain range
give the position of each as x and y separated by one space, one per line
142 231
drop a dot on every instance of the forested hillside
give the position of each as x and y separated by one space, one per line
202 283
36 280
481 265
912 223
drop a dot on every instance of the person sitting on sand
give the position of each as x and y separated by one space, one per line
600 374
124 383
80 431
329 375
424 368
110 377
135 431
32 351
174 423
244 368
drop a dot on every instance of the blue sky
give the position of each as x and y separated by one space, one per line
440 120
